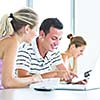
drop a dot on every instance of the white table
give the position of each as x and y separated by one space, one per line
30 94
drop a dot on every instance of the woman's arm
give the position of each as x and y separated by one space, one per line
8 79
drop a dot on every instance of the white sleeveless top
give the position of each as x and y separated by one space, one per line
69 62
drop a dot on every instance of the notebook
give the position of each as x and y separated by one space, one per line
53 84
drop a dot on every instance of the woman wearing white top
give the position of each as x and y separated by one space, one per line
75 49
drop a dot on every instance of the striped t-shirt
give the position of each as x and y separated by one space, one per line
29 58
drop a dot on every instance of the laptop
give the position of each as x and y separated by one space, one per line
53 84
93 81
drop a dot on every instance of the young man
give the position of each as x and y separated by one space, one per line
42 56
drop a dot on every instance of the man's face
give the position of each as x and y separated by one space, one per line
52 39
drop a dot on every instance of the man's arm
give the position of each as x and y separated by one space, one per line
61 67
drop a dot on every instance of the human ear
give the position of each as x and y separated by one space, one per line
72 46
27 29
42 34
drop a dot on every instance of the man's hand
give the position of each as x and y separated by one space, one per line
65 75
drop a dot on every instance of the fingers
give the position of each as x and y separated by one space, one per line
64 75
67 77
81 82
73 75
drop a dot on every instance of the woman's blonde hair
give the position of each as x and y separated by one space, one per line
19 19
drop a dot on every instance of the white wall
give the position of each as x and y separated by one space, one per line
87 24
87 20
56 8
10 6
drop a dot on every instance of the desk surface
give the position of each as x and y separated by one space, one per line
30 94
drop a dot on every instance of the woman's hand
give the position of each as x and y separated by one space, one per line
81 82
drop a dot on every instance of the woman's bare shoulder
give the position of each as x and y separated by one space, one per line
63 54
8 41
7 44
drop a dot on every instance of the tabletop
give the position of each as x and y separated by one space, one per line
31 94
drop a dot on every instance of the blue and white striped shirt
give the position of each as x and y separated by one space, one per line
29 58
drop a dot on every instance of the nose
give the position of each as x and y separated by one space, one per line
57 42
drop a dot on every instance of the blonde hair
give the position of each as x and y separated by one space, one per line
5 26
19 19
